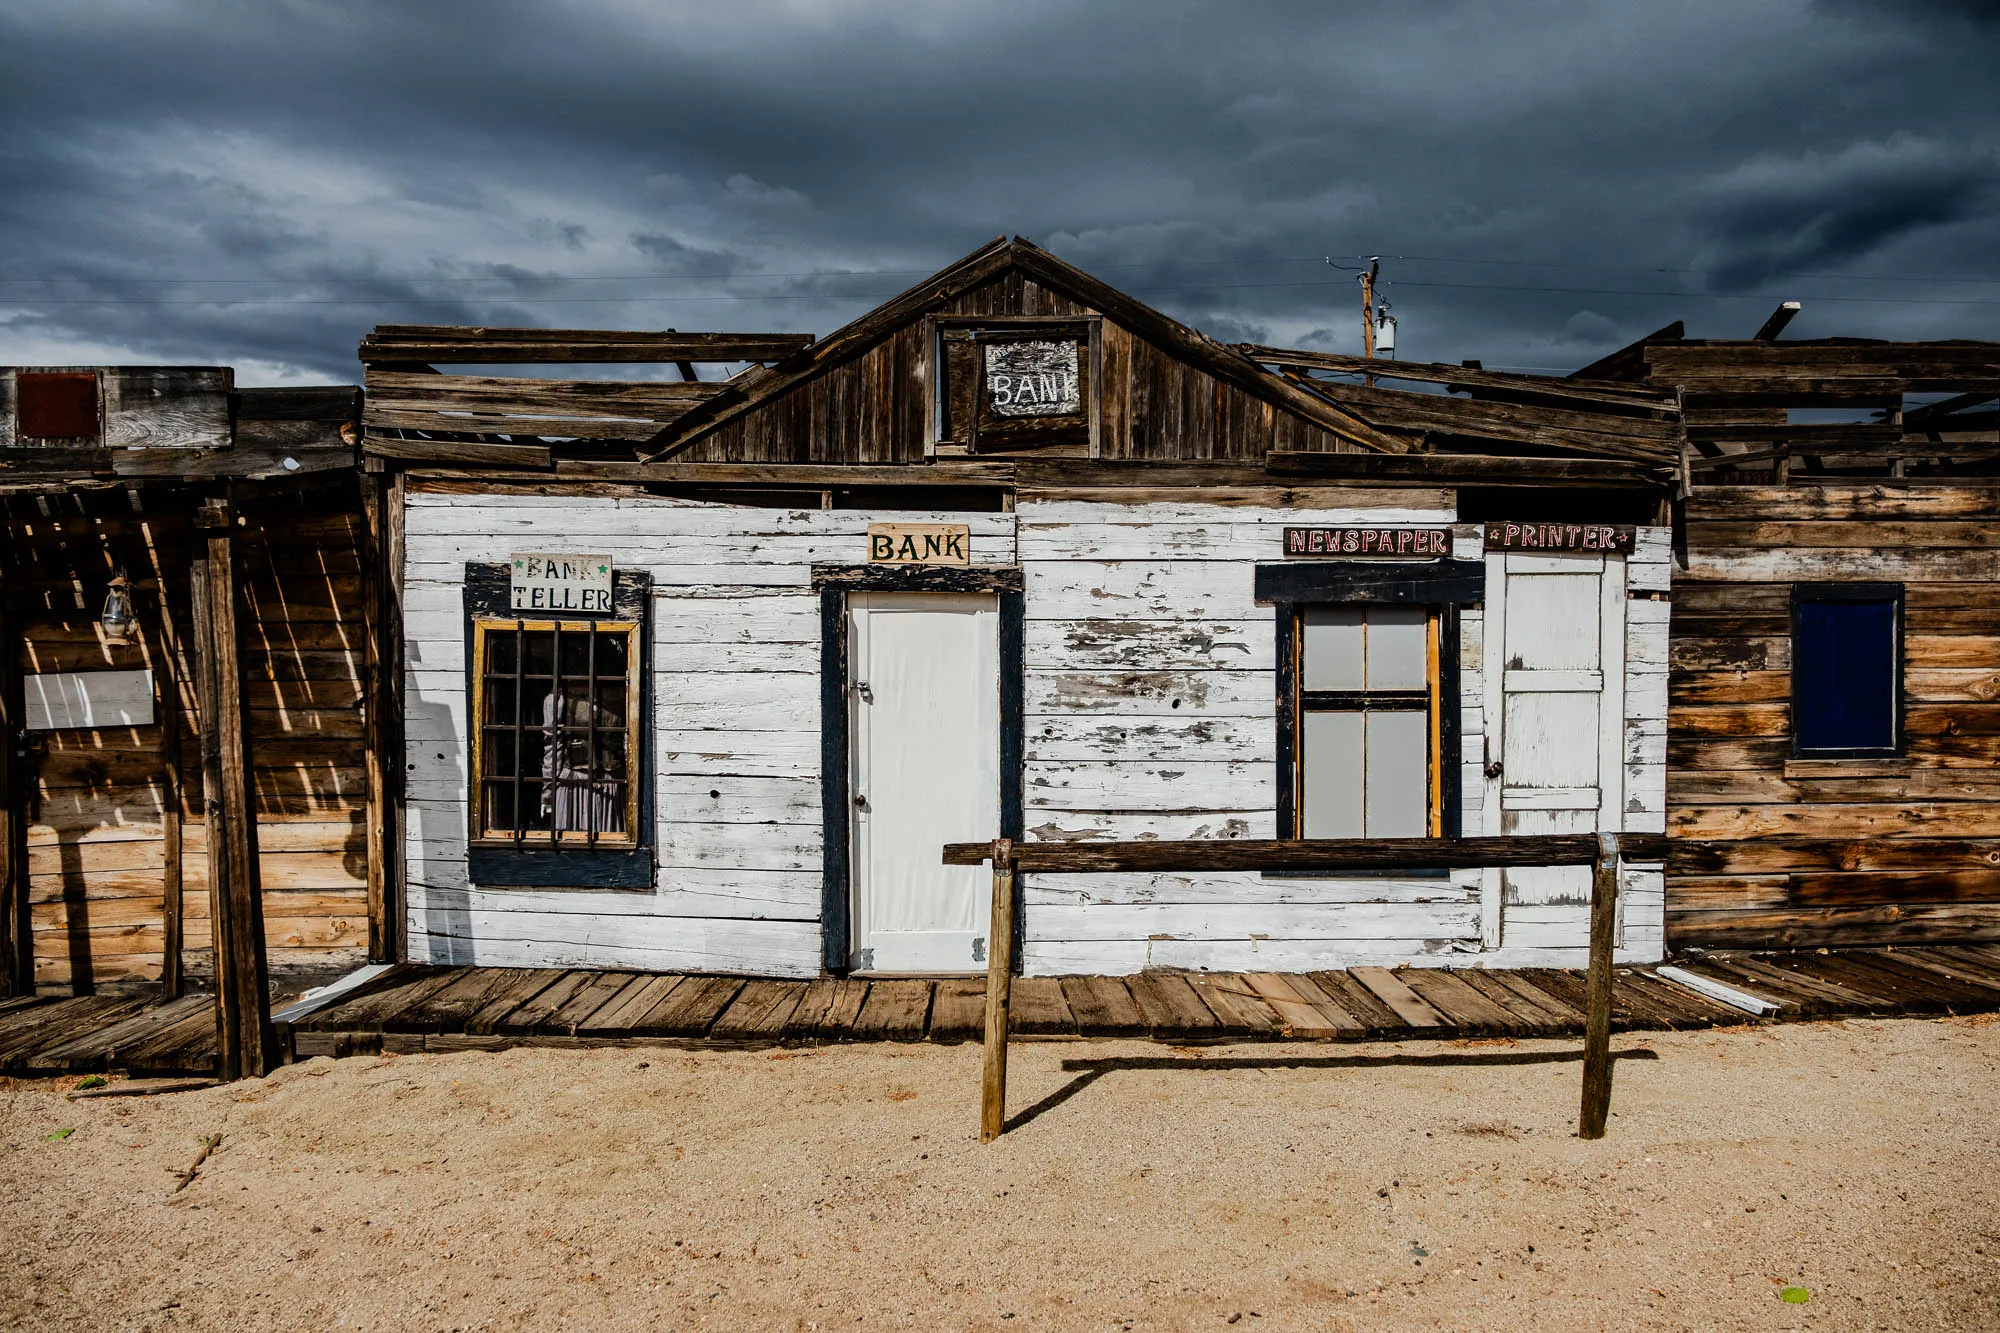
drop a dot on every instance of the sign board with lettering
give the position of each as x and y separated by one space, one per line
919 544
1357 543
1032 379
1592 538
545 582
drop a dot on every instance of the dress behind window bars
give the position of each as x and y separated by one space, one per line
576 794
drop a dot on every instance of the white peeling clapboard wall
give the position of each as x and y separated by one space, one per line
736 730
1152 712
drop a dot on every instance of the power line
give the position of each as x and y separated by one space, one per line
1691 272
515 299
826 275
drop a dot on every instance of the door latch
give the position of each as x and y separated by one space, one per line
860 801
861 688
1493 771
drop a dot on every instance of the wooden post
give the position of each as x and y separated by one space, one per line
171 797
381 617
395 922
999 991
17 940
243 1002
1597 1023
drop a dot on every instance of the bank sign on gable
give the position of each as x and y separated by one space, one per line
1032 379
542 582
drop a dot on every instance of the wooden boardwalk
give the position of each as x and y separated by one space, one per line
412 1009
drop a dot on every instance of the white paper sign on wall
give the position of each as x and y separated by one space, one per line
540 581
58 700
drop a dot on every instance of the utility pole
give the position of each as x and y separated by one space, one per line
1368 276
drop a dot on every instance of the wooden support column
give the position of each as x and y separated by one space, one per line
17 940
999 992
167 673
381 594
243 1002
1597 1022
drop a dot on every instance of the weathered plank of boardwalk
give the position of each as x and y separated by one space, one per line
469 1008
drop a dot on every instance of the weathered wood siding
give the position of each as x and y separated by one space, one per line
95 836
1151 711
1835 852
736 661
876 408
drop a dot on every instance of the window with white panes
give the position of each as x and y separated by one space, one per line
1369 741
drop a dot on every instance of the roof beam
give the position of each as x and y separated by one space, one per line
449 345
1629 361
1471 469
1633 397
1786 312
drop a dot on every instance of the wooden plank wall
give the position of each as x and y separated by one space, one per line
1832 853
96 840
1152 713
736 742
875 408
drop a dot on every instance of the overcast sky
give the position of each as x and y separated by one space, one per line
258 183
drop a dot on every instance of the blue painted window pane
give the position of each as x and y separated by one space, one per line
1844 676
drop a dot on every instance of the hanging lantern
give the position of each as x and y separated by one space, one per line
117 617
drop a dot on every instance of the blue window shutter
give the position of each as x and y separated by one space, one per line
1846 672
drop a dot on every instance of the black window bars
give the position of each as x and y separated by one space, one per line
555 720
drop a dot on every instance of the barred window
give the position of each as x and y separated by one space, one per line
554 760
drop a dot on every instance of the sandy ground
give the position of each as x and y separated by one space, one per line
1265 1187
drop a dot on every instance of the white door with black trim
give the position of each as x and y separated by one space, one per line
923 693
1555 727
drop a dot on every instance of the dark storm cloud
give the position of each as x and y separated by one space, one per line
258 183
1773 218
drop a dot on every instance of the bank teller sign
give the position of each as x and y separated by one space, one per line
543 582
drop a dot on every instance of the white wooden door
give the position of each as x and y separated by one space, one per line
924 703
1555 705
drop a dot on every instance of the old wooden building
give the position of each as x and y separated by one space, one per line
1835 718
698 668
701 672
121 488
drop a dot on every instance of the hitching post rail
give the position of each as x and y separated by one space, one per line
1600 851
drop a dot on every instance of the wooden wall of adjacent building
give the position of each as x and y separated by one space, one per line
1824 853
98 808
876 408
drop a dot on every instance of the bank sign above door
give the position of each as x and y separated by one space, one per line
539 581
919 544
